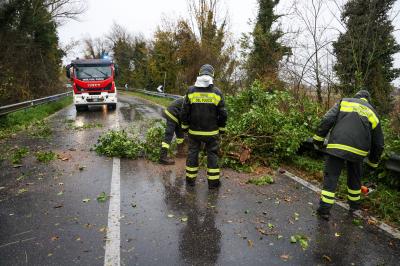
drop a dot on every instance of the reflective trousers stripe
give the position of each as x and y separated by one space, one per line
353 198
328 193
179 141
373 165
211 170
213 177
165 145
193 169
191 175
327 200
356 192
328 197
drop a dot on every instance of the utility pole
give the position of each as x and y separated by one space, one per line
165 76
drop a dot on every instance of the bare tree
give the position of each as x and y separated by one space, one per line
60 10
311 34
96 48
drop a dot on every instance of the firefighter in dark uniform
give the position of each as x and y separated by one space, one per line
355 135
204 116
172 115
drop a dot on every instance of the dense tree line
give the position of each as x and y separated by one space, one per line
30 57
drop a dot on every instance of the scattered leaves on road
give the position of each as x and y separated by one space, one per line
21 191
327 258
45 156
264 180
285 257
357 222
19 154
86 200
171 216
250 243
55 238
301 239
103 197
184 219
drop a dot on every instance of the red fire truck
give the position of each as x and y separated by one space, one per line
93 82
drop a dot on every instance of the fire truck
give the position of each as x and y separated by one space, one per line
93 82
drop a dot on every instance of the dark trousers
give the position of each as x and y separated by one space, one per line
332 171
171 129
192 162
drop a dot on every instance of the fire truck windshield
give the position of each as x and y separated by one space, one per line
92 72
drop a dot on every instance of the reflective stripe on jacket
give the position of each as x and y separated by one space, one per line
173 111
204 111
355 131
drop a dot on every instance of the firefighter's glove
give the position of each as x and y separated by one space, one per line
185 129
318 145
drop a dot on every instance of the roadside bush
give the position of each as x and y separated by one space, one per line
391 130
266 127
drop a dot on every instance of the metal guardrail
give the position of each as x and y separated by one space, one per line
159 94
4 110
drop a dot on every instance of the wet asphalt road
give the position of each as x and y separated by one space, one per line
44 221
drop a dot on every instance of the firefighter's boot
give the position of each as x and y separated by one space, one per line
214 184
164 157
181 151
324 213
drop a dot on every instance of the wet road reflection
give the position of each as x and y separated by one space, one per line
199 239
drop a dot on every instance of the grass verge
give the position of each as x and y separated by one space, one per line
155 99
25 119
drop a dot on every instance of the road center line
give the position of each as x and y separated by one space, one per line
113 241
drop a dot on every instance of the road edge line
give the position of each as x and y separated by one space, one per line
395 233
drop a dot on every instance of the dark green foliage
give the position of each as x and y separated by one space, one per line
19 154
365 51
30 59
129 145
154 137
31 119
264 180
262 46
119 144
271 125
45 156
392 145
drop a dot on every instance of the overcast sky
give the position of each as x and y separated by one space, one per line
145 15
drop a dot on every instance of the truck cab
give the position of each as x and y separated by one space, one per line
93 82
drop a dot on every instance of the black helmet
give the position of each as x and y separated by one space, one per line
206 70
363 94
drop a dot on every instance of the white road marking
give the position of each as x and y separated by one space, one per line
113 242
